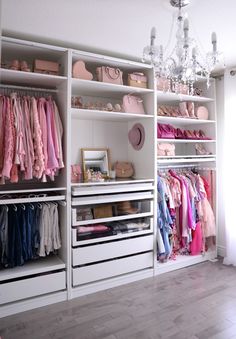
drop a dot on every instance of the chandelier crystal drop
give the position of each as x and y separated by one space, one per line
185 64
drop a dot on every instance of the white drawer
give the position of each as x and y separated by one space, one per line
27 288
76 242
113 268
89 254
144 209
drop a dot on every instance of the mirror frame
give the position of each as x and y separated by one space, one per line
95 149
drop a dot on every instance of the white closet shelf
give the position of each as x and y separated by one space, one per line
185 161
46 81
32 199
182 261
112 182
183 121
97 88
113 237
173 97
36 266
87 114
118 218
33 190
98 59
186 141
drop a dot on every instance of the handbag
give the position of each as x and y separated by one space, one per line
165 131
165 149
110 75
137 80
133 104
124 169
79 71
76 173
163 84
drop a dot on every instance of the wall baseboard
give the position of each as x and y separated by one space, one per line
221 251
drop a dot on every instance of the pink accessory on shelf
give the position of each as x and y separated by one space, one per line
46 67
163 84
190 107
196 243
166 149
137 80
202 113
136 136
165 131
133 104
110 75
183 109
76 173
79 71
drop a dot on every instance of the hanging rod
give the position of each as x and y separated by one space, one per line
25 88
185 166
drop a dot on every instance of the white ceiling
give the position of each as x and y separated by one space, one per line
117 27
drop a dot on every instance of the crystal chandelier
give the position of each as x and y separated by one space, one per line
185 63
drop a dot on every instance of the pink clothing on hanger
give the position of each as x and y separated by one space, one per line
39 166
29 147
196 243
52 160
9 140
59 129
2 130
43 126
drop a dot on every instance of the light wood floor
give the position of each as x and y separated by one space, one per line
196 302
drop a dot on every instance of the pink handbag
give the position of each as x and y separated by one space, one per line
163 84
165 131
110 75
79 71
133 104
166 150
76 173
137 80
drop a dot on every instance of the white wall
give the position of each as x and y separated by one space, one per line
117 26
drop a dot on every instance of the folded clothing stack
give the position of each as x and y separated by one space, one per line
165 131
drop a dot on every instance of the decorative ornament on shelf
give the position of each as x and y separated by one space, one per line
185 63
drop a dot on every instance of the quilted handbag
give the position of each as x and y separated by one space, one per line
133 104
166 149
124 169
110 75
137 80
165 131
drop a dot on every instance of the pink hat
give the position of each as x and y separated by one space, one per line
137 136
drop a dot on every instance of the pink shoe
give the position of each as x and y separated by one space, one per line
15 65
24 66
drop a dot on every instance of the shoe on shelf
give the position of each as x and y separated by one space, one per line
183 109
24 66
179 134
190 107
189 134
15 65
201 150
203 136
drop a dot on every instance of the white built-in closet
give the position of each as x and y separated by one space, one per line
85 266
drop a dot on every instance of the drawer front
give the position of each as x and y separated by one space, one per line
89 254
92 273
27 288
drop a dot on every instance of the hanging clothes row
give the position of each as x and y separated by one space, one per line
28 231
30 138
185 219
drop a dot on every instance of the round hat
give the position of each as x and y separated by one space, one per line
137 136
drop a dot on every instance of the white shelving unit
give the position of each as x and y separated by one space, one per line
86 265
186 155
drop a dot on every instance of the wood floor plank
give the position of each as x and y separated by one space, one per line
198 302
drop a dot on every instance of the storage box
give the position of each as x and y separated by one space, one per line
103 211
46 67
